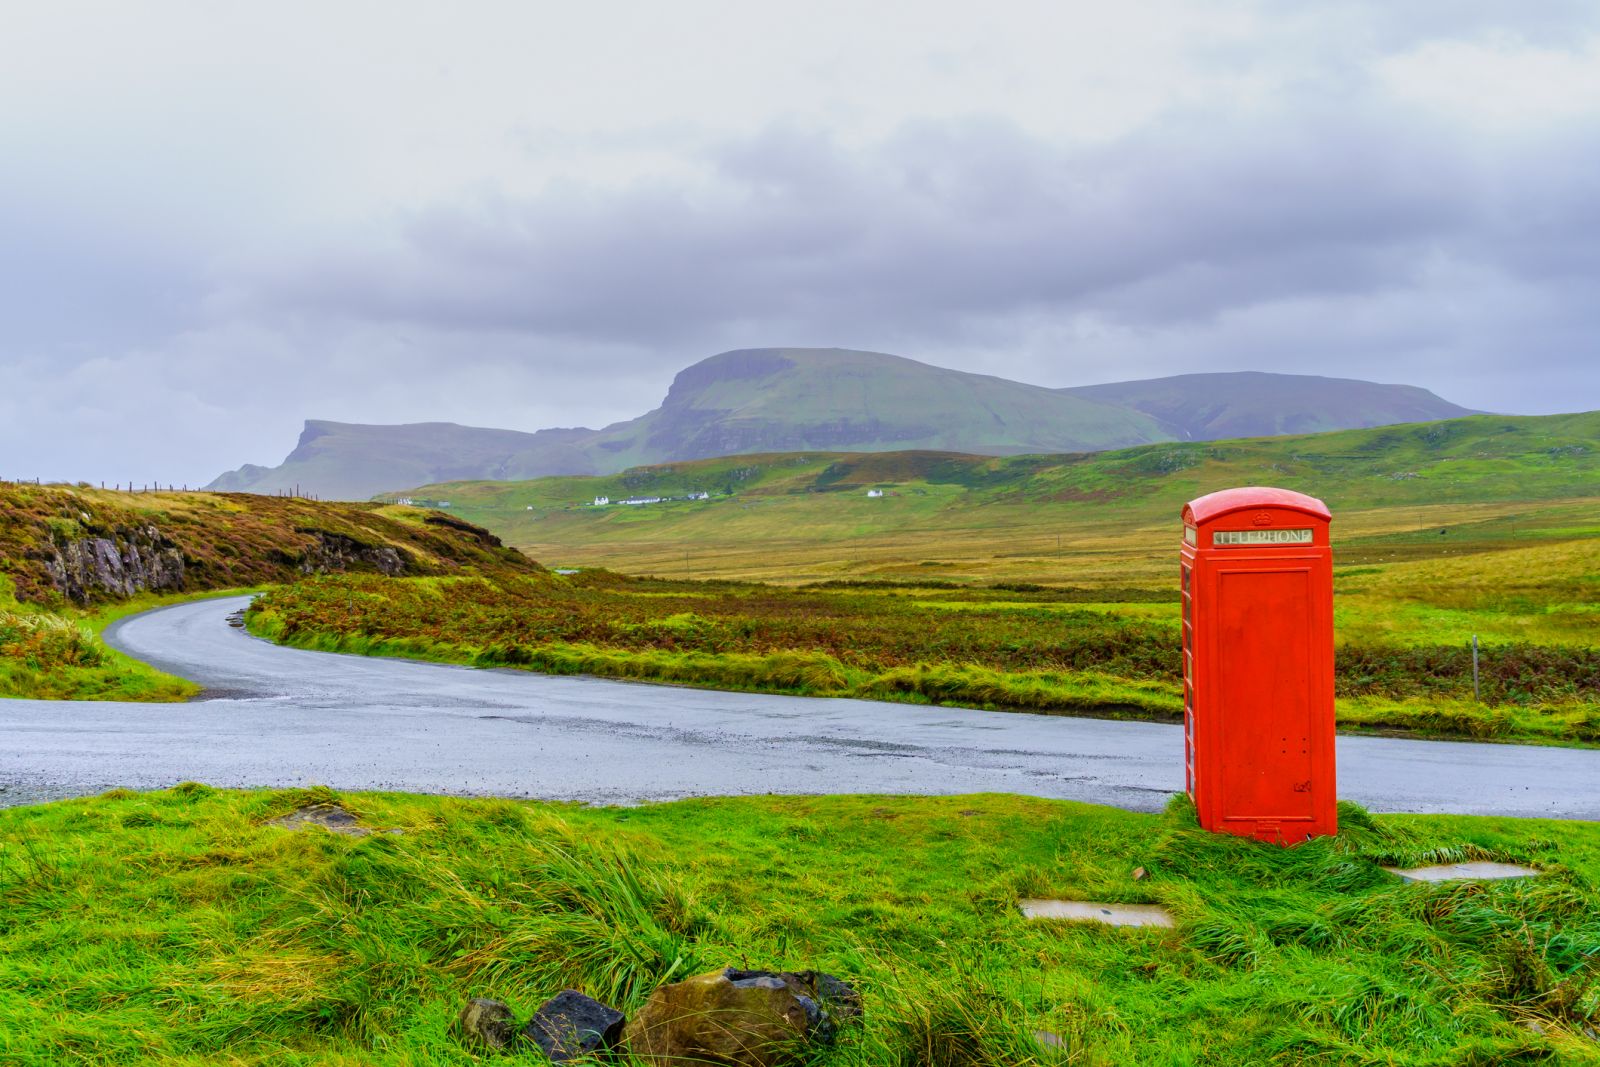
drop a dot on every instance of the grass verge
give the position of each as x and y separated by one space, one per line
61 654
1030 648
180 928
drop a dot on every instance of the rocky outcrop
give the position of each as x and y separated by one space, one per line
121 564
333 552
81 545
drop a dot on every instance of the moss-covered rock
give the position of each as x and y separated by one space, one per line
740 1018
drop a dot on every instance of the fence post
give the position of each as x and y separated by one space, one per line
1475 695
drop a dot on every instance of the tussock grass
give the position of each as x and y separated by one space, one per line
59 655
180 927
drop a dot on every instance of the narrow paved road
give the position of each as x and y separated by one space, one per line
279 717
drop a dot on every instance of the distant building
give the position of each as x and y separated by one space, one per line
874 492
699 496
601 501
404 502
643 500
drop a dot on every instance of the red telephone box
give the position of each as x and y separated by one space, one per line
1257 577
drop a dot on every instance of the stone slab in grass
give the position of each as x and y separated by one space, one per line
1097 912
1463 872
330 817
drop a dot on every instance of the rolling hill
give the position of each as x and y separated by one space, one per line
811 399
808 514
1209 407
62 545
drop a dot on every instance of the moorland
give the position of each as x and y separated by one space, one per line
1039 582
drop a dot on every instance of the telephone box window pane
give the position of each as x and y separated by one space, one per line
1188 534
1261 537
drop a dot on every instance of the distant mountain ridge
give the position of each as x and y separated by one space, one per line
841 400
1215 407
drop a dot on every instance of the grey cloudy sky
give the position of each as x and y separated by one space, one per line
220 220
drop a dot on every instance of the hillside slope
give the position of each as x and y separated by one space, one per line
800 399
61 545
813 399
1209 407
351 461
768 512
749 400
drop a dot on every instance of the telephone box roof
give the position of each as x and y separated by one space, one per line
1215 505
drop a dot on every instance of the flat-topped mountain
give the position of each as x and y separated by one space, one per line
1212 407
352 461
839 400
832 399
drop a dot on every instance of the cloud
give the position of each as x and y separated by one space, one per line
527 229
945 234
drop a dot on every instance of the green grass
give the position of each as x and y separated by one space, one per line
178 928
60 654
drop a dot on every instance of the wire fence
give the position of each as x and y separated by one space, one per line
295 493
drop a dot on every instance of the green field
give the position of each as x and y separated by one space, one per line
182 928
1492 483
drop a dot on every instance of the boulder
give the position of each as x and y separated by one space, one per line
486 1023
570 1026
741 1018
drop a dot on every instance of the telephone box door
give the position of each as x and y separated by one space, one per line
1258 663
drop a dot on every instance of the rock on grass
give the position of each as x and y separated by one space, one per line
740 1018
570 1026
487 1024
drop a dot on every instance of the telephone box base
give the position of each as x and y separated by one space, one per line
1274 831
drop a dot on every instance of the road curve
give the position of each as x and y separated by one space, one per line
283 717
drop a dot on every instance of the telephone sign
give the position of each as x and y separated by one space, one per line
1257 589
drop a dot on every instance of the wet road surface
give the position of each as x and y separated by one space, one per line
283 717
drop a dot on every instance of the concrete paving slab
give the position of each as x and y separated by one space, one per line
1480 870
1098 912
